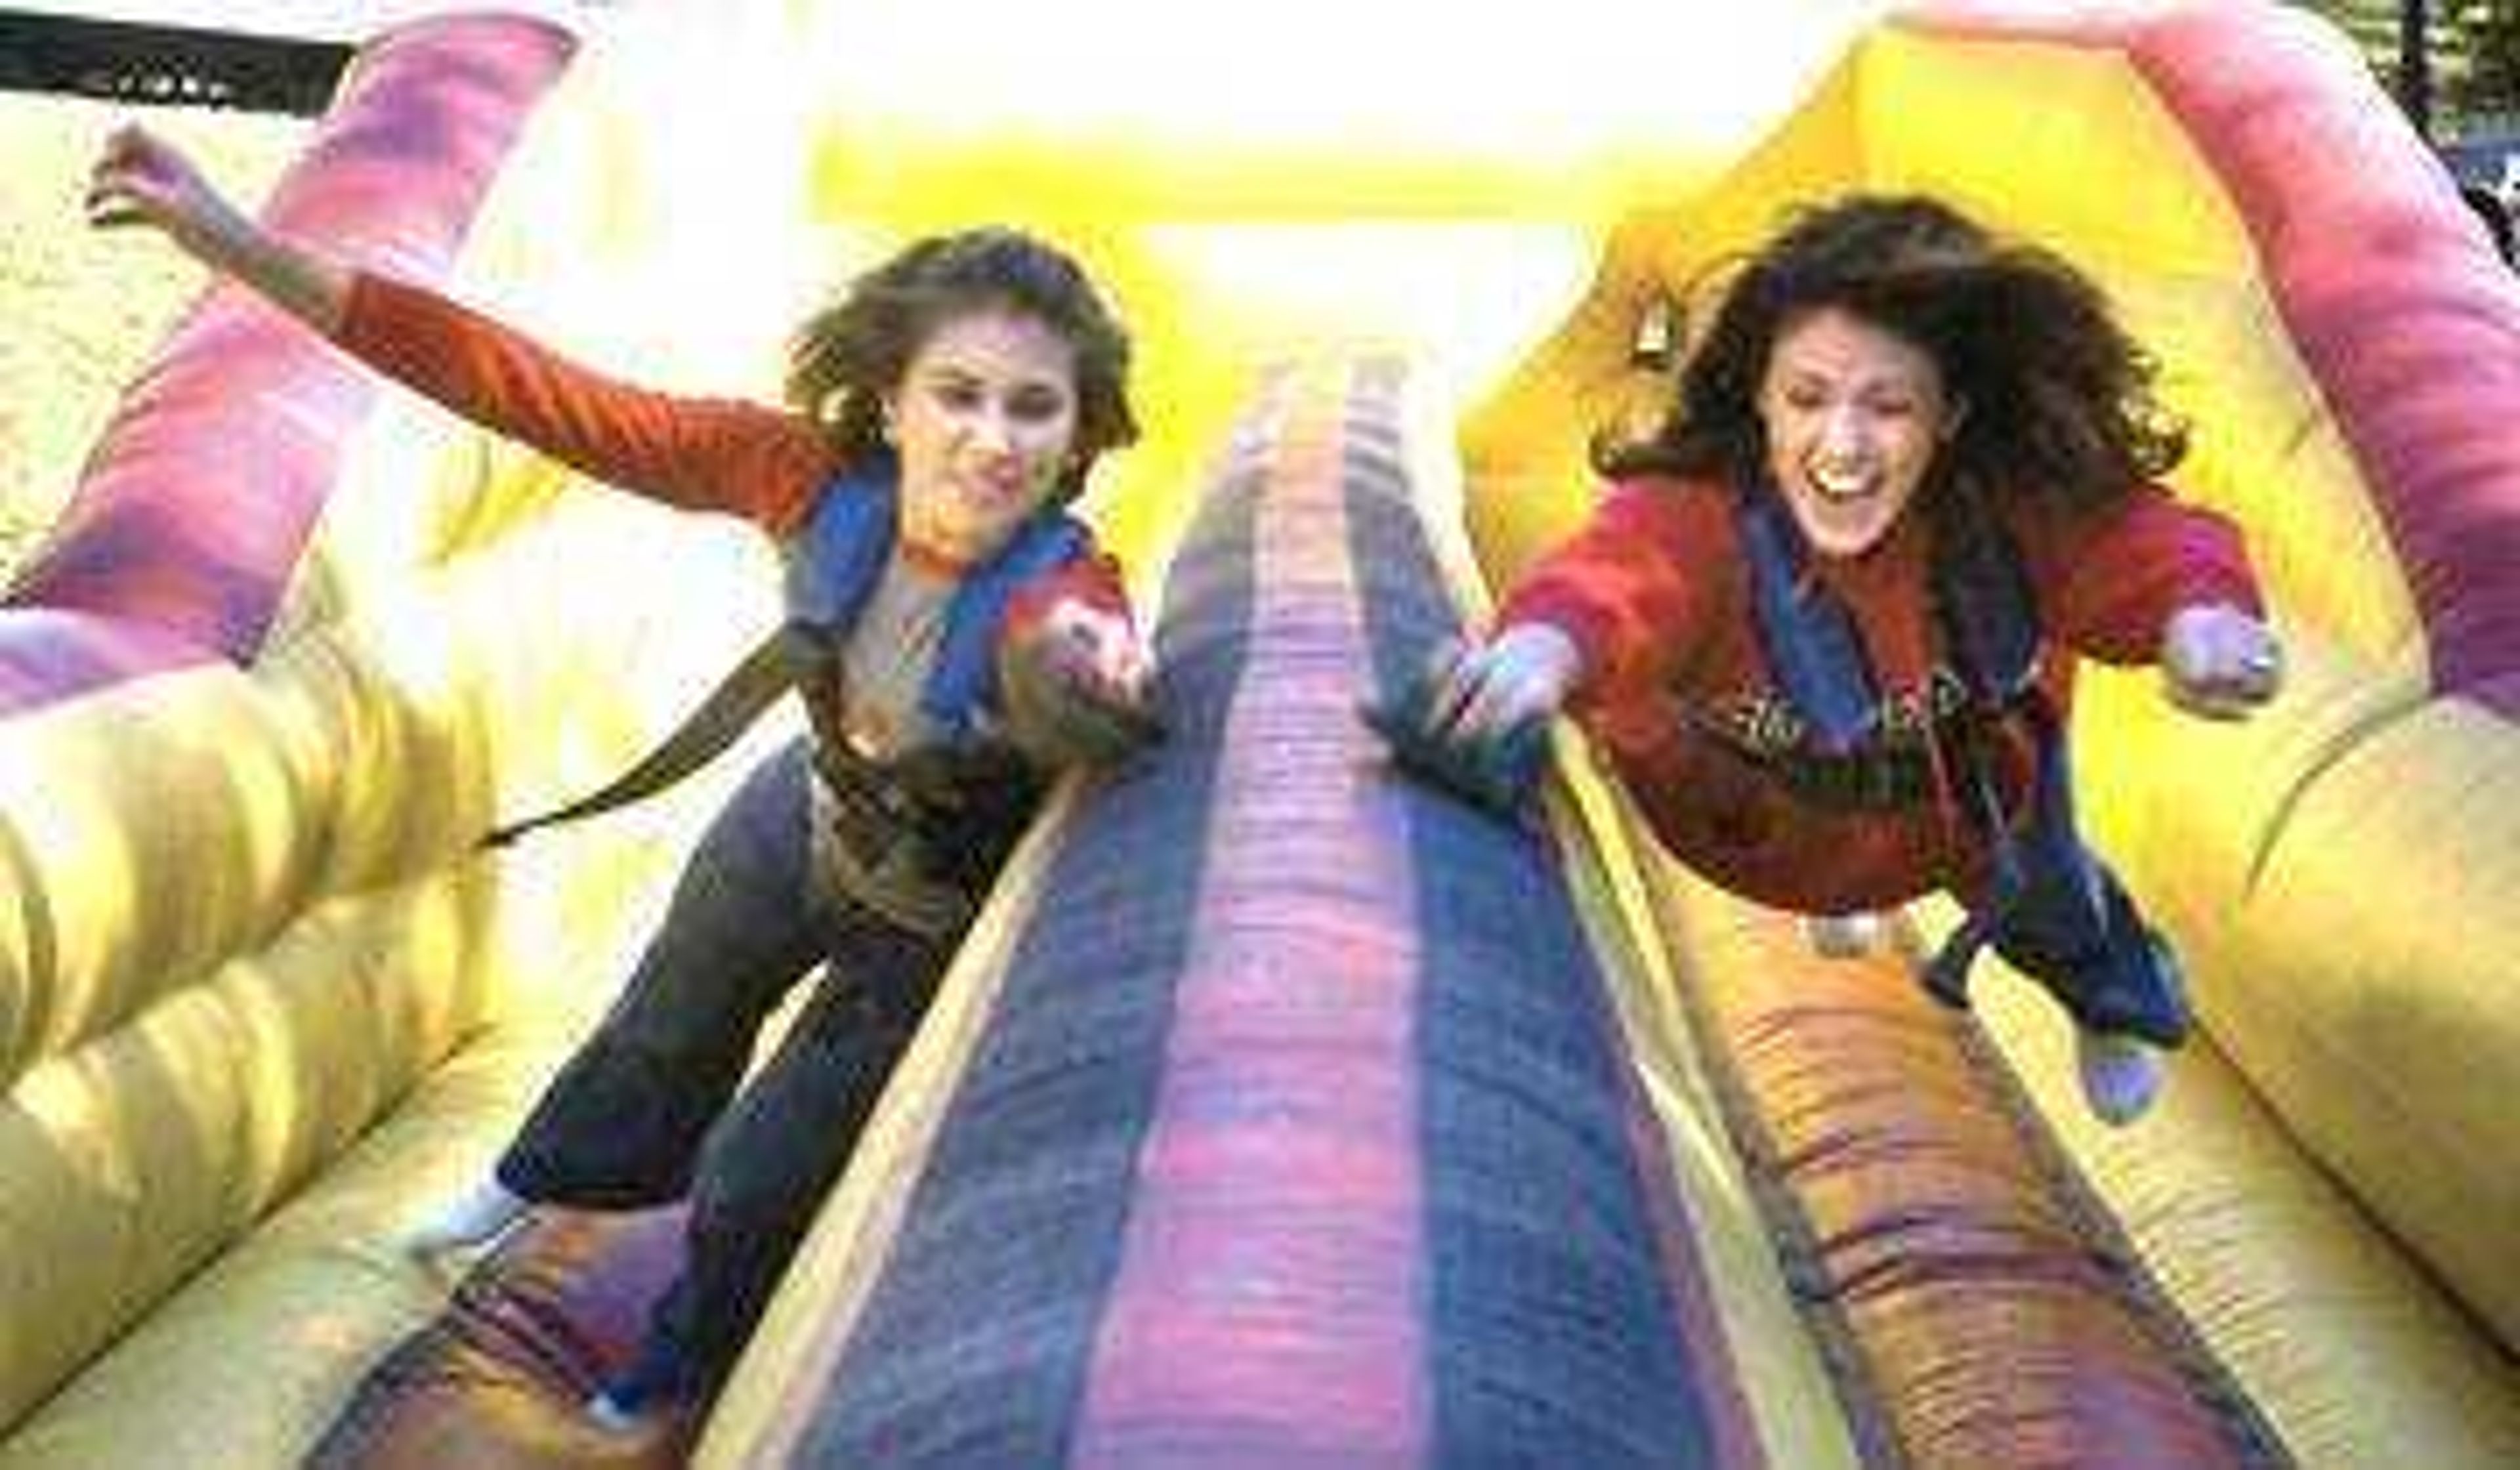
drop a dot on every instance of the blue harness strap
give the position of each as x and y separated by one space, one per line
1809 642
2051 908
836 559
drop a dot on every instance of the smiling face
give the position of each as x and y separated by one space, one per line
1854 416
984 421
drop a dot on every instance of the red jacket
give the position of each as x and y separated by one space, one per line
726 454
1654 592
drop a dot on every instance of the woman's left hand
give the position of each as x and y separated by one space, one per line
1098 652
1079 687
2219 661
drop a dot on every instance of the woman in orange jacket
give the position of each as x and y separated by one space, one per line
954 637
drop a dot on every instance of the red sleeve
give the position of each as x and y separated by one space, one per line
1092 579
701 454
2110 580
1627 587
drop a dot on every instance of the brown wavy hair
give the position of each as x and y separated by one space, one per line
2061 398
849 356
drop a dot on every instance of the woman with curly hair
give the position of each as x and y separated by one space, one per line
954 634
1822 624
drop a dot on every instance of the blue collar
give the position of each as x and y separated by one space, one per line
836 560
1984 605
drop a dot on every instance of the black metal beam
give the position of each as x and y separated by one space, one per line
2416 65
167 64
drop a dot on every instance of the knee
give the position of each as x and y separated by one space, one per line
756 1202
891 987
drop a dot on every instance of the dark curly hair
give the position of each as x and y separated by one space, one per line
850 355
2059 399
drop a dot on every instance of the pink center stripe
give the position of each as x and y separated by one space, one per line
1267 1305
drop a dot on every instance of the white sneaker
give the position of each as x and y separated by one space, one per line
609 1415
1844 936
2121 1075
480 1216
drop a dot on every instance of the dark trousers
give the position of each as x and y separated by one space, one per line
648 1108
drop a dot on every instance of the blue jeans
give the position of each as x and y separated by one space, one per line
648 1108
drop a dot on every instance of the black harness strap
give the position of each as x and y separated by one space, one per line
932 826
789 658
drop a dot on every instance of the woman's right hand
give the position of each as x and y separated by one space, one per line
1483 691
1473 722
141 179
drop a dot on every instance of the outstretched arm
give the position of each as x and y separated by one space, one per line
700 454
141 179
2154 579
1590 628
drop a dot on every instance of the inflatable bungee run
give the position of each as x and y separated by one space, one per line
1280 1110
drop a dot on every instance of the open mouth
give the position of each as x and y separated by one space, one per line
1843 485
